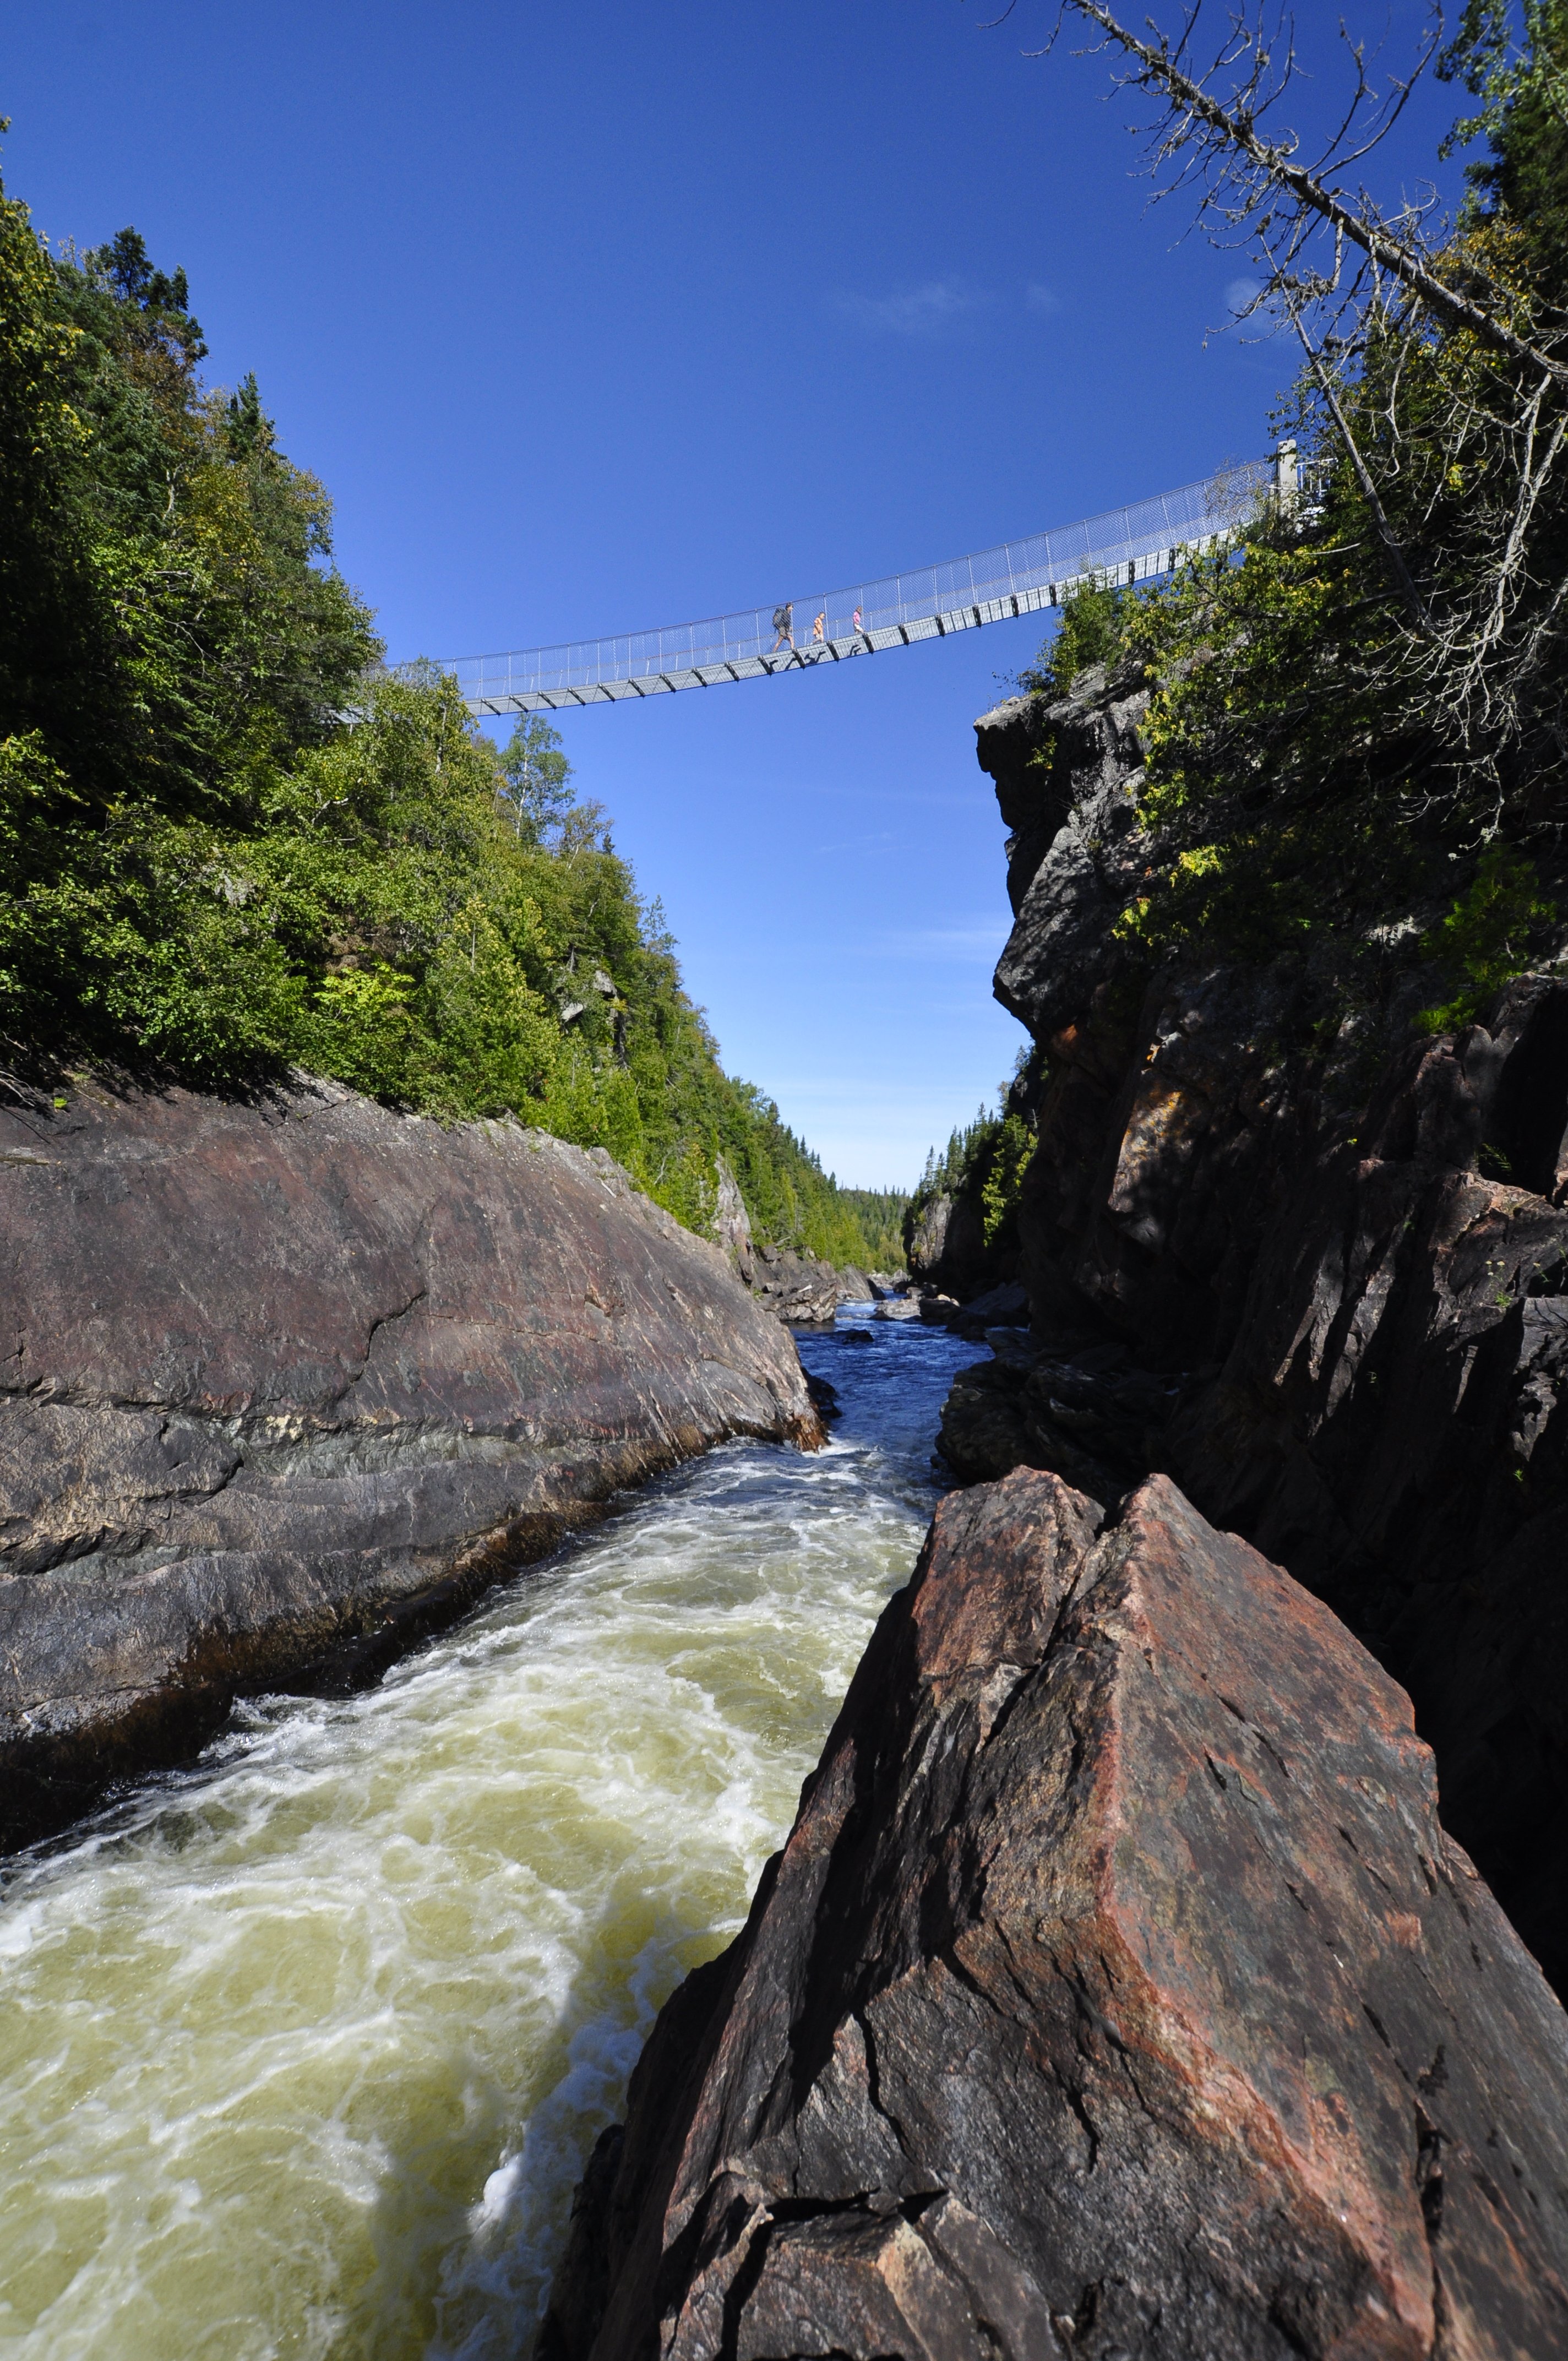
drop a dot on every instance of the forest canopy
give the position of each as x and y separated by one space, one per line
232 843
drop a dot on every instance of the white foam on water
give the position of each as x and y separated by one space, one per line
303 2051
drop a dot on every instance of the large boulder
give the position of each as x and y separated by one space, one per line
796 1287
946 1244
285 1379
1117 1994
926 1236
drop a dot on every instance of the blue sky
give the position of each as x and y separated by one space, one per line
598 317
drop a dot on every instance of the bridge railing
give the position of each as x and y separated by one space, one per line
1125 545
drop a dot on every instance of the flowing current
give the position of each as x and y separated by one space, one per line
301 2051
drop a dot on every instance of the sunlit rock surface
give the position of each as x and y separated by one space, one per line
1117 1994
280 1377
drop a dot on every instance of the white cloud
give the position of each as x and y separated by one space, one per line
1040 299
1240 293
926 311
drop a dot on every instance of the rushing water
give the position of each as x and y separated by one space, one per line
301 2051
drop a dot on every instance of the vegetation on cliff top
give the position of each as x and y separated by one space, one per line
1356 742
1357 749
230 844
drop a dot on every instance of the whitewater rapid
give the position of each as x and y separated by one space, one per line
303 2049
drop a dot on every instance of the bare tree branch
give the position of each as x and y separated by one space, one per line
1236 125
1397 565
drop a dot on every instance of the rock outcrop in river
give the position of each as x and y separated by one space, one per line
1118 1994
1319 1276
796 1287
284 1380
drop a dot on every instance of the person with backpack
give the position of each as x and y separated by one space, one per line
783 624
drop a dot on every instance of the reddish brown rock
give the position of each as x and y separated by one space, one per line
280 1377
1117 1996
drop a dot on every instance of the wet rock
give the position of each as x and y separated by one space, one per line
1117 1994
285 1380
898 1307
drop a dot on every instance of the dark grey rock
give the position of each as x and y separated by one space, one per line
283 1380
1353 1242
796 1287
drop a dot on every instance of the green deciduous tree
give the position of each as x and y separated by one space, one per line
230 843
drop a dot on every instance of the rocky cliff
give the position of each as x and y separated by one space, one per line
1118 1993
1314 1265
285 1379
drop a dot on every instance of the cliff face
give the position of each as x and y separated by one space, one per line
1117 1994
282 1380
1308 1245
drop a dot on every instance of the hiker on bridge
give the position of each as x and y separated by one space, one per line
817 626
783 624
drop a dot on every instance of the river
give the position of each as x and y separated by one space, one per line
302 2048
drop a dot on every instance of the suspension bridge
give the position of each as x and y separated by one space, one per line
1022 577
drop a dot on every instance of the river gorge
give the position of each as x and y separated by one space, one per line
306 2044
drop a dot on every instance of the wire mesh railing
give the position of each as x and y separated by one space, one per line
1124 545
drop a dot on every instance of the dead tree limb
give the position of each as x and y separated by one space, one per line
1236 128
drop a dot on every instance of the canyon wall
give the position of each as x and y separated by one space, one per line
1317 1271
287 1380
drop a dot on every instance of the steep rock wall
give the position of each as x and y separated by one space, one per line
280 1379
1314 1239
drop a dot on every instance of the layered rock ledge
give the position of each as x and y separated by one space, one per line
1117 1994
285 1381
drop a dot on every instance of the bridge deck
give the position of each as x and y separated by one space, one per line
1021 577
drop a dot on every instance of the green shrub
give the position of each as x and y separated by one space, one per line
1486 936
